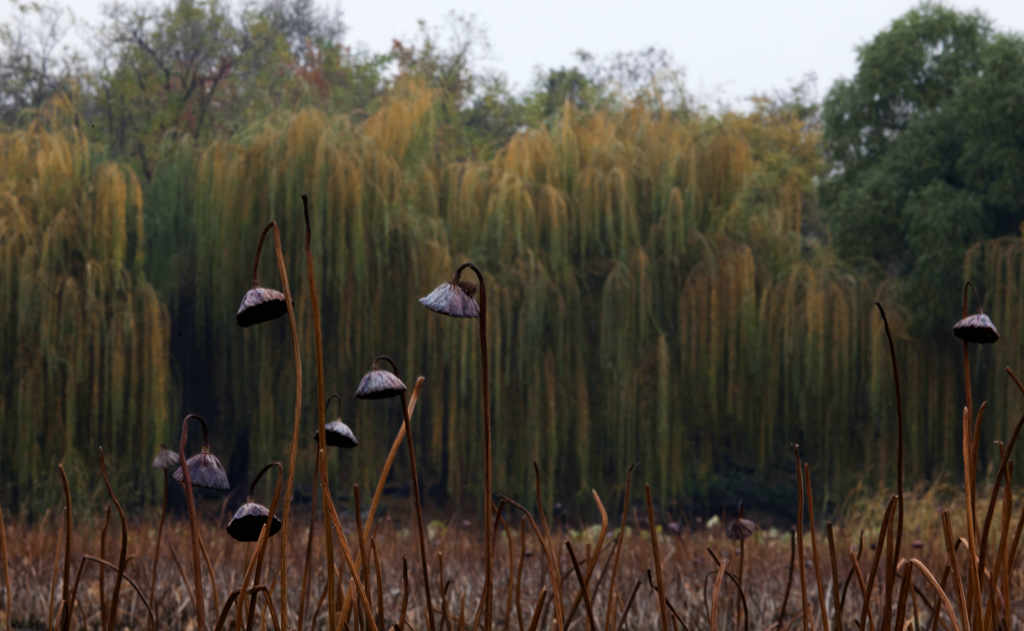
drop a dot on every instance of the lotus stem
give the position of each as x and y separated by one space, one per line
899 448
122 559
253 567
419 506
259 250
484 384
321 410
809 492
392 454
663 610
66 619
156 551
805 618
282 271
4 568
193 520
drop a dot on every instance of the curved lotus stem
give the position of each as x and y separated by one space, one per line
156 550
334 397
259 249
186 481
321 422
899 463
261 541
415 489
282 271
385 358
487 437
266 467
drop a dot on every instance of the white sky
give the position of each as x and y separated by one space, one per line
729 49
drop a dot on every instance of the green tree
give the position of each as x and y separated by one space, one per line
922 145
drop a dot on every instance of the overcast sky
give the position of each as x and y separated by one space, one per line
729 49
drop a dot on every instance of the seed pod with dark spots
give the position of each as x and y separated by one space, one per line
453 299
261 304
248 520
379 384
205 471
976 328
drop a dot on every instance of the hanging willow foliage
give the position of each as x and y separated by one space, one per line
83 336
656 294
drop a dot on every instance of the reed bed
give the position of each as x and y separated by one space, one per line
688 563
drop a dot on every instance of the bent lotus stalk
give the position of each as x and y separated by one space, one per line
381 384
193 520
456 299
321 409
262 314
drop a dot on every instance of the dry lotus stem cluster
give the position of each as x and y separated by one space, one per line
875 587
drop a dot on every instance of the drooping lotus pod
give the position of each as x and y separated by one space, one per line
338 434
205 471
976 328
261 304
453 299
248 520
740 528
379 384
166 459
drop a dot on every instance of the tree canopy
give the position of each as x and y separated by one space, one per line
925 151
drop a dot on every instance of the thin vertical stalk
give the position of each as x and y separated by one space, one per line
899 446
485 390
123 558
66 618
282 271
4 568
252 569
789 579
657 561
156 550
392 454
822 601
101 572
806 614
364 556
610 611
193 519
837 615
883 532
347 554
321 412
304 591
947 531
969 394
594 555
419 511
583 586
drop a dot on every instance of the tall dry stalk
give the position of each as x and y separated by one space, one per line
193 519
463 290
4 568
321 412
663 610
122 560
156 548
66 606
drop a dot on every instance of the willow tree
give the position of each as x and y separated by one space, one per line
83 333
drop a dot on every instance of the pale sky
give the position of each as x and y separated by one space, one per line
728 49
